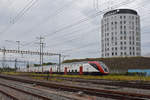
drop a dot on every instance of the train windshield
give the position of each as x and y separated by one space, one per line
94 65
104 67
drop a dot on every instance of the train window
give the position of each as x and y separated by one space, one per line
104 67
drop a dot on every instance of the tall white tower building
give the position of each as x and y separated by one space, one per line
120 33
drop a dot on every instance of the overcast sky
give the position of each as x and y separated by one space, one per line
68 26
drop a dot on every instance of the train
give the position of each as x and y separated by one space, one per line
77 68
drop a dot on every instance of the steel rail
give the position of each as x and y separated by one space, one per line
139 85
9 95
90 91
23 91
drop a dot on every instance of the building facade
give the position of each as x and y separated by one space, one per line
120 33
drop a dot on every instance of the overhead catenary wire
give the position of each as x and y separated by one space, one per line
86 19
51 15
58 11
69 34
58 35
19 15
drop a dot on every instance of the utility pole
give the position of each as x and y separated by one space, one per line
41 51
18 45
3 64
15 64
18 42
42 45
59 62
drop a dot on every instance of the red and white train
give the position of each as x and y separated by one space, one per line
85 68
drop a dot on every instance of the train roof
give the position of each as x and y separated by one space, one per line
83 62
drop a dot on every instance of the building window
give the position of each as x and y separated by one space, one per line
124 48
120 17
121 38
133 43
115 48
107 49
112 38
124 42
107 44
121 53
120 27
107 34
120 32
107 54
116 53
133 48
120 22
112 48
125 32
125 37
125 53
112 53
124 22
130 53
129 17
121 43
124 27
120 48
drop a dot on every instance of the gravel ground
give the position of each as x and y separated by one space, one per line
52 93
4 97
31 90
90 85
114 88
83 96
19 95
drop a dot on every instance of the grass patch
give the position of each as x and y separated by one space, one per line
107 77
11 73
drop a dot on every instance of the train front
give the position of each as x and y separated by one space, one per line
100 66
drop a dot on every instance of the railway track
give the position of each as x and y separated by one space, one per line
89 91
139 85
21 91
129 84
8 96
14 93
